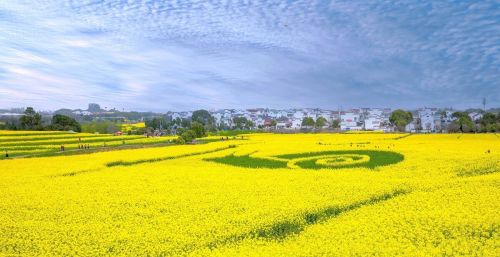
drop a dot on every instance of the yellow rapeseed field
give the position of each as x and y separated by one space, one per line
370 194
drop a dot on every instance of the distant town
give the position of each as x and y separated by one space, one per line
372 119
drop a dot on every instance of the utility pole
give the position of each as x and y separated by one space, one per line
484 104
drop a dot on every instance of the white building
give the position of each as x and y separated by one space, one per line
376 119
350 121
475 116
426 117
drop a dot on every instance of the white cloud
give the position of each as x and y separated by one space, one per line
193 54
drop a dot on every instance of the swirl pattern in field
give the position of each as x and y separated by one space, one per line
315 160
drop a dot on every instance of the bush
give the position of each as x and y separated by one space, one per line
492 128
179 141
188 136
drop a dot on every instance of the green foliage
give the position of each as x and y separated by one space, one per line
188 136
94 108
203 117
64 123
102 127
490 122
308 121
157 123
159 159
463 121
249 162
31 120
179 141
198 128
283 229
377 158
488 118
335 124
242 123
67 112
321 122
185 123
400 119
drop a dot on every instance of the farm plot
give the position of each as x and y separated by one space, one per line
270 195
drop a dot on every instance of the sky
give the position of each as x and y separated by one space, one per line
152 55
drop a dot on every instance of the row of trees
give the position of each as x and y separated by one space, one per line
462 122
32 120
319 123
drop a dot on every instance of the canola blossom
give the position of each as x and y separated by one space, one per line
44 143
266 195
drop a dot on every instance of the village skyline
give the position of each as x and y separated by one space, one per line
424 119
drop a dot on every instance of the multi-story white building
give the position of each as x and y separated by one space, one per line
350 121
426 117
376 119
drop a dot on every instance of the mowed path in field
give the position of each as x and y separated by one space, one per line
441 199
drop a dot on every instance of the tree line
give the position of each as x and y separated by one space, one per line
32 120
462 122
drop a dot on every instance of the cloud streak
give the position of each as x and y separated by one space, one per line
178 55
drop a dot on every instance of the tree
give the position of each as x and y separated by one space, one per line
308 121
198 129
335 123
400 119
488 118
242 123
463 121
156 123
203 117
62 122
185 123
321 122
31 120
94 108
188 136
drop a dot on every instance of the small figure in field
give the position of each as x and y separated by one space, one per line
6 154
62 148
227 137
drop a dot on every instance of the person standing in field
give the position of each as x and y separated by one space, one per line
6 154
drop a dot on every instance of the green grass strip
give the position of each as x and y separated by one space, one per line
282 230
129 163
248 162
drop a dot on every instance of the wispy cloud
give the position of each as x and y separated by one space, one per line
179 54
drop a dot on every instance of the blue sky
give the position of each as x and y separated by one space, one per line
184 55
